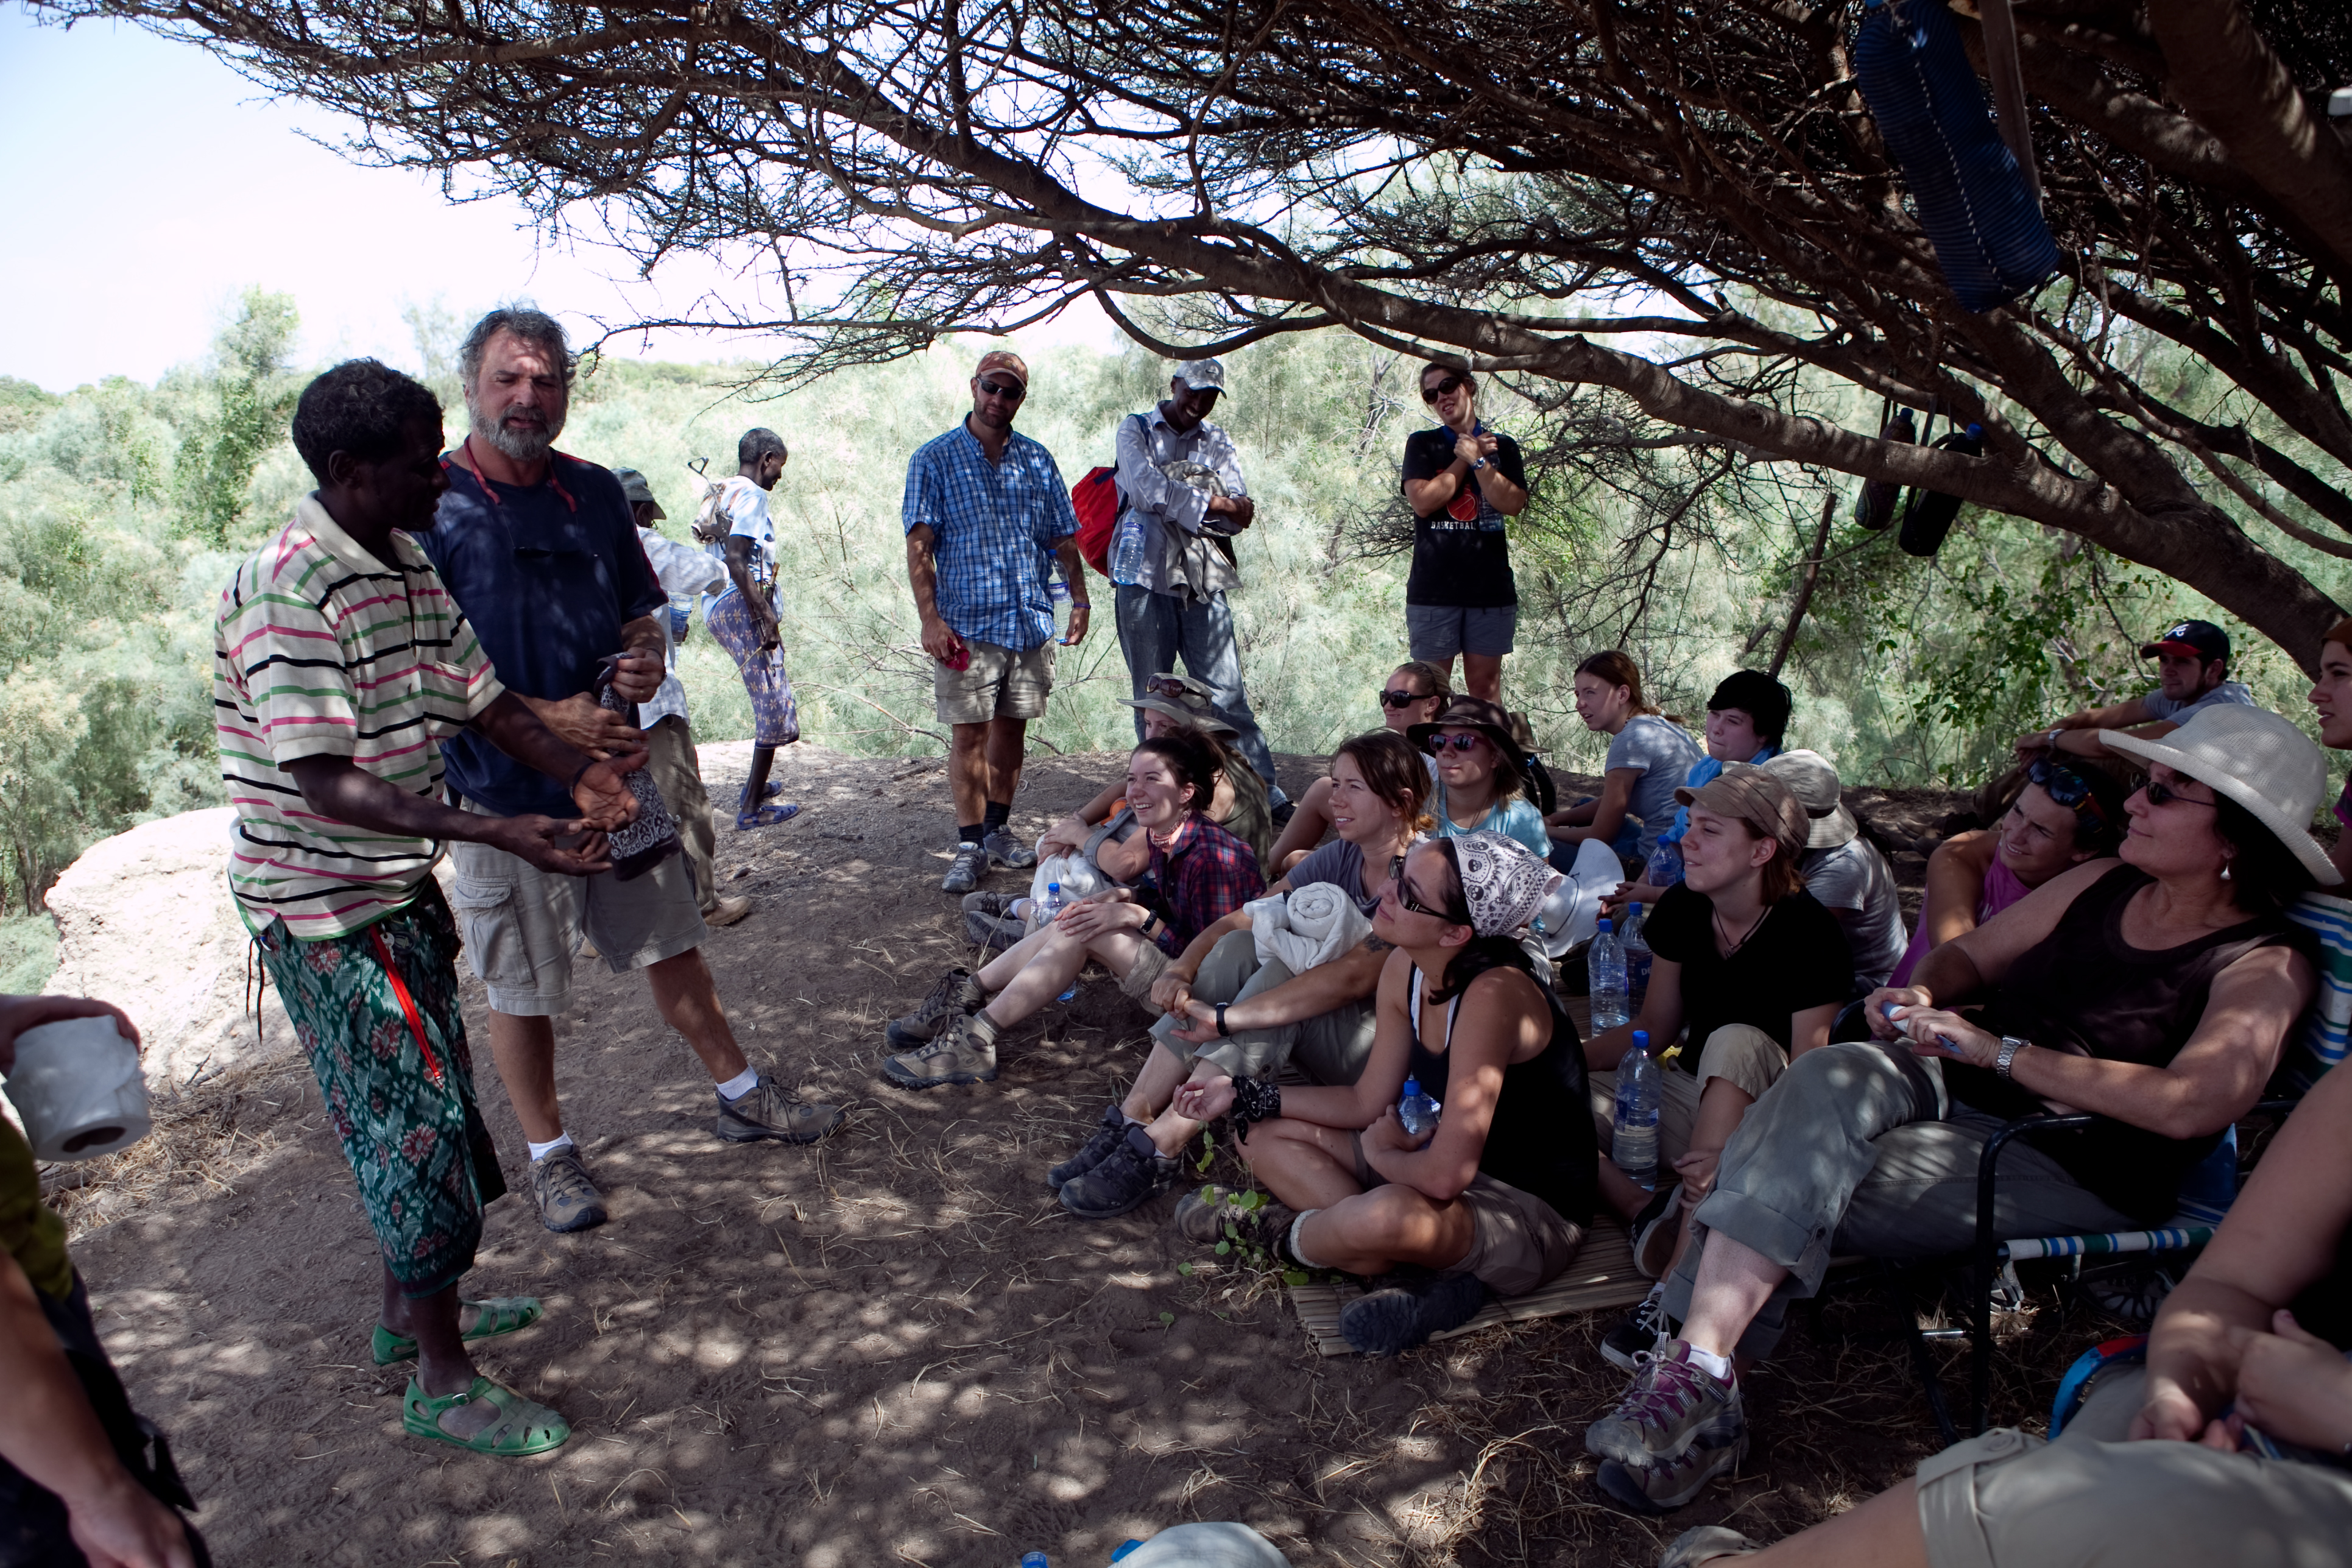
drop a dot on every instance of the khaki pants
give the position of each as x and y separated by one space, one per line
1329 1047
2010 1500
669 745
1743 1055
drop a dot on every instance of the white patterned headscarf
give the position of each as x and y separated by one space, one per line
1503 883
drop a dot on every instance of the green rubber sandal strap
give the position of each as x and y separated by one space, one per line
492 1316
523 1427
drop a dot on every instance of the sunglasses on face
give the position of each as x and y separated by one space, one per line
1405 898
1399 698
2068 789
1432 394
2159 794
1458 742
1012 392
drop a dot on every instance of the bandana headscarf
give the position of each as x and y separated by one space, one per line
1503 884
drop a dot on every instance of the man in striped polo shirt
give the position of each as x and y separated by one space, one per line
340 664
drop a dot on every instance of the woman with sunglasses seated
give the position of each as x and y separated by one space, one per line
1199 873
2157 993
1498 1197
2066 815
1481 785
1463 483
1412 695
2228 1441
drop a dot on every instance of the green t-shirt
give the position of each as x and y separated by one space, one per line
29 1230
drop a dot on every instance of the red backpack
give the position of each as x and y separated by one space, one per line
1095 500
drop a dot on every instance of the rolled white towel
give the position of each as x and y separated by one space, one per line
1314 925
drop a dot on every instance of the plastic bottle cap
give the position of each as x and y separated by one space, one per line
1412 1087
1976 432
1605 925
1634 909
1642 1039
1053 887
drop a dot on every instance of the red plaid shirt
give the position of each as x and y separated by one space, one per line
1204 876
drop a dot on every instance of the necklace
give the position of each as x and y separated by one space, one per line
1724 932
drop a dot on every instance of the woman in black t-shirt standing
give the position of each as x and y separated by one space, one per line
1462 481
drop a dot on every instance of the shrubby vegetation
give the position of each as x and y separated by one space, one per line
123 508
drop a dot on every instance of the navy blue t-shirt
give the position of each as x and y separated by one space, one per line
547 577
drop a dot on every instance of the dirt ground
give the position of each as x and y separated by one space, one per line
895 1346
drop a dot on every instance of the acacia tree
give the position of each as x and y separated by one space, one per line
1532 185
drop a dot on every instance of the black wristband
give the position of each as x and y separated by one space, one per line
1255 1101
1223 1032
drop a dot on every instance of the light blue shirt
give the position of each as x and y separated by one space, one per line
995 527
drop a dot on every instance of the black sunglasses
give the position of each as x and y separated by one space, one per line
1404 896
2165 795
2068 789
1458 742
1399 698
1432 394
1014 392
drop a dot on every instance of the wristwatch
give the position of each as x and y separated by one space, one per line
2010 1045
1479 464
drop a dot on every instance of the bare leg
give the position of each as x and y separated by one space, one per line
444 1366
1170 1131
1050 967
524 1050
1483 674
1721 1104
1304 1166
1621 1191
967 772
1000 971
1733 1282
1155 1086
1882 1533
1373 1232
763 757
688 1000
1007 741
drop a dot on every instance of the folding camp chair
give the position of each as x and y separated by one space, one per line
2319 1045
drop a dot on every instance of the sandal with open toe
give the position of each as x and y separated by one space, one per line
499 1315
766 816
523 1427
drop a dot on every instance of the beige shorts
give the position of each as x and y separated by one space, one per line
522 925
2091 1496
1151 963
1520 1242
1741 1054
997 684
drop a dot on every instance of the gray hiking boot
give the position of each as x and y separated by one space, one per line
1213 1213
1671 1400
1664 1484
965 1054
990 923
769 1110
956 994
1131 1175
567 1199
1708 1543
971 866
1108 1134
1007 850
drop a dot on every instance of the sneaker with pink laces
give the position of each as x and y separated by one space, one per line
1672 1399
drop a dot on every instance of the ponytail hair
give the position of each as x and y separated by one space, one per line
1618 668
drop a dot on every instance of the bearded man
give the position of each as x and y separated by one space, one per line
541 551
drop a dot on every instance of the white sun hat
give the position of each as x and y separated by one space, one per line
2257 758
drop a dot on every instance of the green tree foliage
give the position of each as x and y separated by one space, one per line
242 404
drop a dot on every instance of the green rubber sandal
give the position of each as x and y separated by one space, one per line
499 1315
523 1427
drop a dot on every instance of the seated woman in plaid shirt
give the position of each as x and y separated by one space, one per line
1200 874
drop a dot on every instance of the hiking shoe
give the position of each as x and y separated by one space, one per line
956 994
1655 1230
1247 1220
1670 1398
1665 1485
971 866
1006 850
1201 1215
963 1055
567 1199
1708 1543
1131 1175
726 911
1384 1322
990 923
1108 1136
1640 1332
769 1110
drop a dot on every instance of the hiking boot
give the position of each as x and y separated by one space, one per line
1657 1229
990 923
1131 1175
1670 1398
567 1199
726 911
1006 850
956 994
1666 1485
769 1110
1386 1321
971 866
1108 1136
1640 1332
1247 1220
1708 1543
966 1054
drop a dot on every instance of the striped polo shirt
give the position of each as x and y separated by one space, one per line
320 649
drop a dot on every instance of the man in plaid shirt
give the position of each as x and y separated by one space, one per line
987 515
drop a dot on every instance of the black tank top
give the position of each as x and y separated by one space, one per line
2083 989
1541 1140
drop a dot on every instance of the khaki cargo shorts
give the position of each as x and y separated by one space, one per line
997 684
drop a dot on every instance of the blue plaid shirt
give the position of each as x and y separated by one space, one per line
995 526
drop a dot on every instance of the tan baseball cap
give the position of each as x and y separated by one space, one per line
1008 362
1757 798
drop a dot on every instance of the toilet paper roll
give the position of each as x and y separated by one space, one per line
78 1089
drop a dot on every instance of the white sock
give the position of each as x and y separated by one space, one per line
741 1084
1296 1225
1716 1366
541 1150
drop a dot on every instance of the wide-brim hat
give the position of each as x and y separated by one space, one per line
1184 698
1468 713
1762 800
1813 778
2258 759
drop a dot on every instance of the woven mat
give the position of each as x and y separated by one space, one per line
1601 1277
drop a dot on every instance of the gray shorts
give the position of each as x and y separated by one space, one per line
522 925
1329 1047
2010 1500
998 683
1438 632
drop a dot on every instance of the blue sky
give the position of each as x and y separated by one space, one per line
147 185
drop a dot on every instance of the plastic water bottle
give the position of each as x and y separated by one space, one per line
1416 1110
1664 866
1046 912
1633 1140
1606 967
1636 946
1032 1560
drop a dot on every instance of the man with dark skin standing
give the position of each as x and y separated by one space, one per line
743 619
985 513
339 661
540 549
